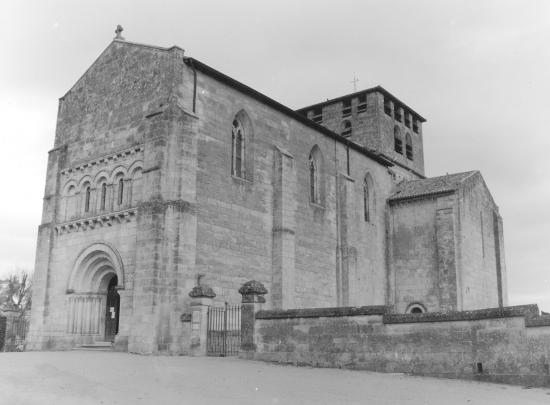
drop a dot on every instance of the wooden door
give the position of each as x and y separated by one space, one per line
111 314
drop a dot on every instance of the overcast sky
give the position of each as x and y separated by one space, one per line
477 70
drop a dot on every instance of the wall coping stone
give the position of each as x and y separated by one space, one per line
527 311
322 312
532 322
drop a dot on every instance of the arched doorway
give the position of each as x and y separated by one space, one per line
93 298
112 310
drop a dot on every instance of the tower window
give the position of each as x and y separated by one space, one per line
346 128
397 141
237 150
317 115
397 113
346 108
387 106
415 126
407 120
362 103
408 146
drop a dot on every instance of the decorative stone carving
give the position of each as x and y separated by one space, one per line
84 224
104 159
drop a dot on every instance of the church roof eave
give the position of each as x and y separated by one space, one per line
286 110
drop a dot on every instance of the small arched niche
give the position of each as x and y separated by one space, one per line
415 308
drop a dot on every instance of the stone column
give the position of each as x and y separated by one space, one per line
201 298
252 299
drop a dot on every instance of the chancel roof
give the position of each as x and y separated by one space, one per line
430 186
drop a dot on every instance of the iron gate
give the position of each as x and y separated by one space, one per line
224 330
15 335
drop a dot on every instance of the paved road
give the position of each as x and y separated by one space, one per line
80 377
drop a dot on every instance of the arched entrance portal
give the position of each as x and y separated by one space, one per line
93 299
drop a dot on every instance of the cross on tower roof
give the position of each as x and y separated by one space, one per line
354 81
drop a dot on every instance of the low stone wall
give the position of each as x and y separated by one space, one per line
509 345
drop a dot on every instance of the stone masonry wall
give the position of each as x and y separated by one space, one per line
422 256
509 345
102 131
365 129
477 244
238 222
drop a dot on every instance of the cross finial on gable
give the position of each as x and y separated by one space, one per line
118 32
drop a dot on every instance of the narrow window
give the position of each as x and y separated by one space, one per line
366 201
408 146
415 126
87 200
120 191
237 149
346 108
407 120
362 103
103 196
387 106
397 141
313 180
317 115
397 113
346 128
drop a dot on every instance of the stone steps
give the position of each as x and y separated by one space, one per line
96 346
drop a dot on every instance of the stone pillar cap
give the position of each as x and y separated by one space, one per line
201 291
252 287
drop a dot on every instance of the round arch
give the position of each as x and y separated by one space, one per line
94 267
415 308
119 171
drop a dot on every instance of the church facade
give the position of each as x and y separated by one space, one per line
165 170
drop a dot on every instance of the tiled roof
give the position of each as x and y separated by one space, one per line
430 186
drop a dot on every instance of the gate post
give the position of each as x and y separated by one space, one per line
10 312
253 297
201 298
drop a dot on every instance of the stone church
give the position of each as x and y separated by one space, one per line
165 171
